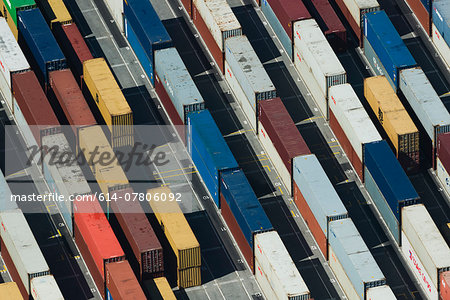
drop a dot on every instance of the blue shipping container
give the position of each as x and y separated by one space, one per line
244 205
355 257
41 42
147 27
427 5
389 176
387 44
178 82
441 18
209 151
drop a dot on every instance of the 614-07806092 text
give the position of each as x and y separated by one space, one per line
161 197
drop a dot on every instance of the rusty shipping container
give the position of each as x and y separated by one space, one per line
422 14
121 284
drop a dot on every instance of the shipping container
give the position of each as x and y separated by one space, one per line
90 138
158 289
395 120
441 45
34 105
63 177
121 284
6 202
215 21
175 87
275 271
331 25
429 246
116 10
71 99
282 15
316 198
445 286
180 236
97 243
40 42
110 101
20 251
316 62
441 18
389 49
10 9
145 32
209 151
351 124
12 60
354 257
426 104
280 138
242 212
340 274
45 288
55 12
354 11
388 185
139 233
247 77
422 13
380 293
443 161
10 291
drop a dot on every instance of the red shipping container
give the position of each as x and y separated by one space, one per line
34 104
444 285
12 269
236 231
443 150
421 13
288 12
121 282
311 221
139 233
210 42
188 6
335 31
353 24
71 99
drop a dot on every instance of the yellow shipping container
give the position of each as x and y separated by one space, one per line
10 291
110 101
162 289
62 15
175 227
111 179
394 118
189 277
92 139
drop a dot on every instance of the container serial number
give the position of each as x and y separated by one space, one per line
162 197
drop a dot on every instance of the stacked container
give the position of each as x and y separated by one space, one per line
10 11
45 288
440 29
247 77
351 125
443 161
316 199
121 284
422 11
316 62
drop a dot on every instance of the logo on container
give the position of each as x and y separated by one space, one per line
419 270
3 67
3 225
298 34
264 136
377 66
299 58
260 271
229 73
169 87
334 101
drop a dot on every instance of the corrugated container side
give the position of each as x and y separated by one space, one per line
158 288
189 277
288 13
380 293
443 150
441 18
341 275
445 285
422 14
111 179
188 7
45 288
440 44
121 282
10 290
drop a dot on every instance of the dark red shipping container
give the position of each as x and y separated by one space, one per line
288 12
282 131
121 282
444 283
346 146
443 150
353 24
236 231
210 42
422 14
330 24
188 6
139 233
12 269
71 99
311 221
34 105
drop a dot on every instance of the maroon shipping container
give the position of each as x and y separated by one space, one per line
346 146
422 14
140 234
311 221
330 24
288 12
282 131
353 24
121 282
71 99
188 6
210 42
34 105
12 269
444 283
443 150
236 231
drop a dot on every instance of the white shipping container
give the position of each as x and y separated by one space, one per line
359 7
319 56
418 269
380 293
341 276
441 45
276 266
12 59
116 10
272 152
427 241
353 118
443 176
22 247
45 288
220 20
